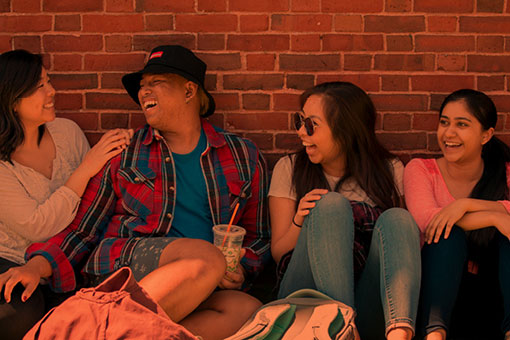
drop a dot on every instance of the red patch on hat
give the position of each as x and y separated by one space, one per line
156 55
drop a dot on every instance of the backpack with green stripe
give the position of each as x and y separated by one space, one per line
304 314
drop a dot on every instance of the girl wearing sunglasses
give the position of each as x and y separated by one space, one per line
336 222
461 204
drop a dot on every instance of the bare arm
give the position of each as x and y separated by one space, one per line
284 233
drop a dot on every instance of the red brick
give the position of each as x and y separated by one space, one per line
211 41
348 23
221 61
136 120
253 81
257 121
26 6
405 62
118 43
400 102
442 23
86 120
5 6
259 6
206 22
399 6
266 42
286 102
25 23
256 101
507 43
73 81
113 62
29 43
254 23
227 101
299 81
395 82
502 102
114 101
305 5
93 137
425 121
352 6
504 137
69 43
483 63
287 141
72 6
357 62
68 101
148 42
490 44
394 24
111 81
441 6
260 62
396 122
444 43
5 42
70 22
162 6
492 24
264 141
210 82
403 141
301 23
490 6
113 23
399 42
353 42
114 121
432 144
212 5
451 62
368 82
159 22
441 83
309 62
119 6
491 83
305 42
67 62
436 99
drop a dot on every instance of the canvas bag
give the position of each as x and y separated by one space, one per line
304 314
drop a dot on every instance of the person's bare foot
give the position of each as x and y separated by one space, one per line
439 334
400 333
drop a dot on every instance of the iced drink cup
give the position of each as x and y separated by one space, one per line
233 243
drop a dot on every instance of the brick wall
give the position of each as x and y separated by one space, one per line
407 54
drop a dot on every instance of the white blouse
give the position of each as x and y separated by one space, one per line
33 208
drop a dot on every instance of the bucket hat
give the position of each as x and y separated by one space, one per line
170 59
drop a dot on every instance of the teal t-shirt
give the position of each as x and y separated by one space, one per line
192 215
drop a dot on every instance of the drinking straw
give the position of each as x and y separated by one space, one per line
230 224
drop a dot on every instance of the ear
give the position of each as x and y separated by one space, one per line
487 135
191 89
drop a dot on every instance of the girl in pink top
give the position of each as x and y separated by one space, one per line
460 203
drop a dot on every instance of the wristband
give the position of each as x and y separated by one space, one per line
294 222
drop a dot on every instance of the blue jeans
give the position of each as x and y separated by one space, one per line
386 294
443 268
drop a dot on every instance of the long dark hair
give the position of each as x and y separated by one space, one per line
492 185
20 73
351 116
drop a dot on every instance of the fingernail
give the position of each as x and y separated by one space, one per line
24 298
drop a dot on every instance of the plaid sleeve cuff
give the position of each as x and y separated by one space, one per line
63 278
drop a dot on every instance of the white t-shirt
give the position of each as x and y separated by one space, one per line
281 182
33 208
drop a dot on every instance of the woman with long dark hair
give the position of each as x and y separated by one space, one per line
461 205
45 165
336 222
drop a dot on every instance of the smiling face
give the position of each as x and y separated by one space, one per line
460 135
321 147
38 107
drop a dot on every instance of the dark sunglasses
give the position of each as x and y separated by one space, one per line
307 122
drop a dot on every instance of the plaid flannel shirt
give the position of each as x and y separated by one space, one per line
133 198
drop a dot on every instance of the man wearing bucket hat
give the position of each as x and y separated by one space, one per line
152 207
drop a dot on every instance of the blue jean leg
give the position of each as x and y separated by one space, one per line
442 268
388 290
322 258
